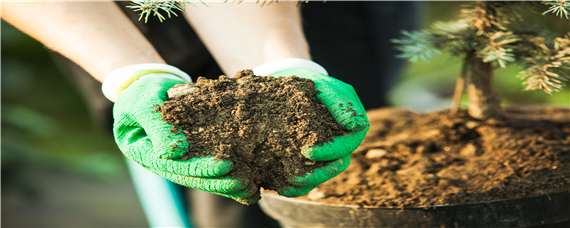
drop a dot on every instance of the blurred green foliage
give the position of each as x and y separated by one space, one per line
426 86
45 124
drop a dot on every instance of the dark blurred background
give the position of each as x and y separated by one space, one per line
60 170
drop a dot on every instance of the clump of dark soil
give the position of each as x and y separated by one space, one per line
260 123
412 159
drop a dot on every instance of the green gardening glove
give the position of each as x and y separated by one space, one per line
146 139
346 108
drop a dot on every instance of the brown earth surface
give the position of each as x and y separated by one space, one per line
427 159
259 123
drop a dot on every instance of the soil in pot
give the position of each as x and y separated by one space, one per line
428 159
260 123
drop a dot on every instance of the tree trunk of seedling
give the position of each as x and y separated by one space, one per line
484 102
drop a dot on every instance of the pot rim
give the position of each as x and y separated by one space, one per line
301 201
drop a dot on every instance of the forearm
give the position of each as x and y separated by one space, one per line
246 35
95 35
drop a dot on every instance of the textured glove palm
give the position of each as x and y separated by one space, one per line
346 108
145 138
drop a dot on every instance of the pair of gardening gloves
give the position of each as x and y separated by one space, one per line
145 138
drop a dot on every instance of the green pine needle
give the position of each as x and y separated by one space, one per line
550 68
560 8
154 7
416 45
426 44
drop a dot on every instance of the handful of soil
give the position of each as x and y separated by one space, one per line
260 123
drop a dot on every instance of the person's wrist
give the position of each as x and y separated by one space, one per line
120 79
288 64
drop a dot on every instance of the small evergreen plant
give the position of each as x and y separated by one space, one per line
154 7
486 37
158 7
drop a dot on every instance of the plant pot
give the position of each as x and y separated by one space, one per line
551 210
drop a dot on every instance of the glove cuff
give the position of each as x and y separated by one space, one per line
120 79
288 64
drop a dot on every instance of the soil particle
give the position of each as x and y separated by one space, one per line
260 123
427 159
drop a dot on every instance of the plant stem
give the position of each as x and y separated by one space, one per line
459 87
484 102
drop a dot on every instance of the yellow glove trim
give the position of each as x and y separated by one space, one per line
133 78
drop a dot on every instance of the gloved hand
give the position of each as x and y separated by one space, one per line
345 106
146 139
